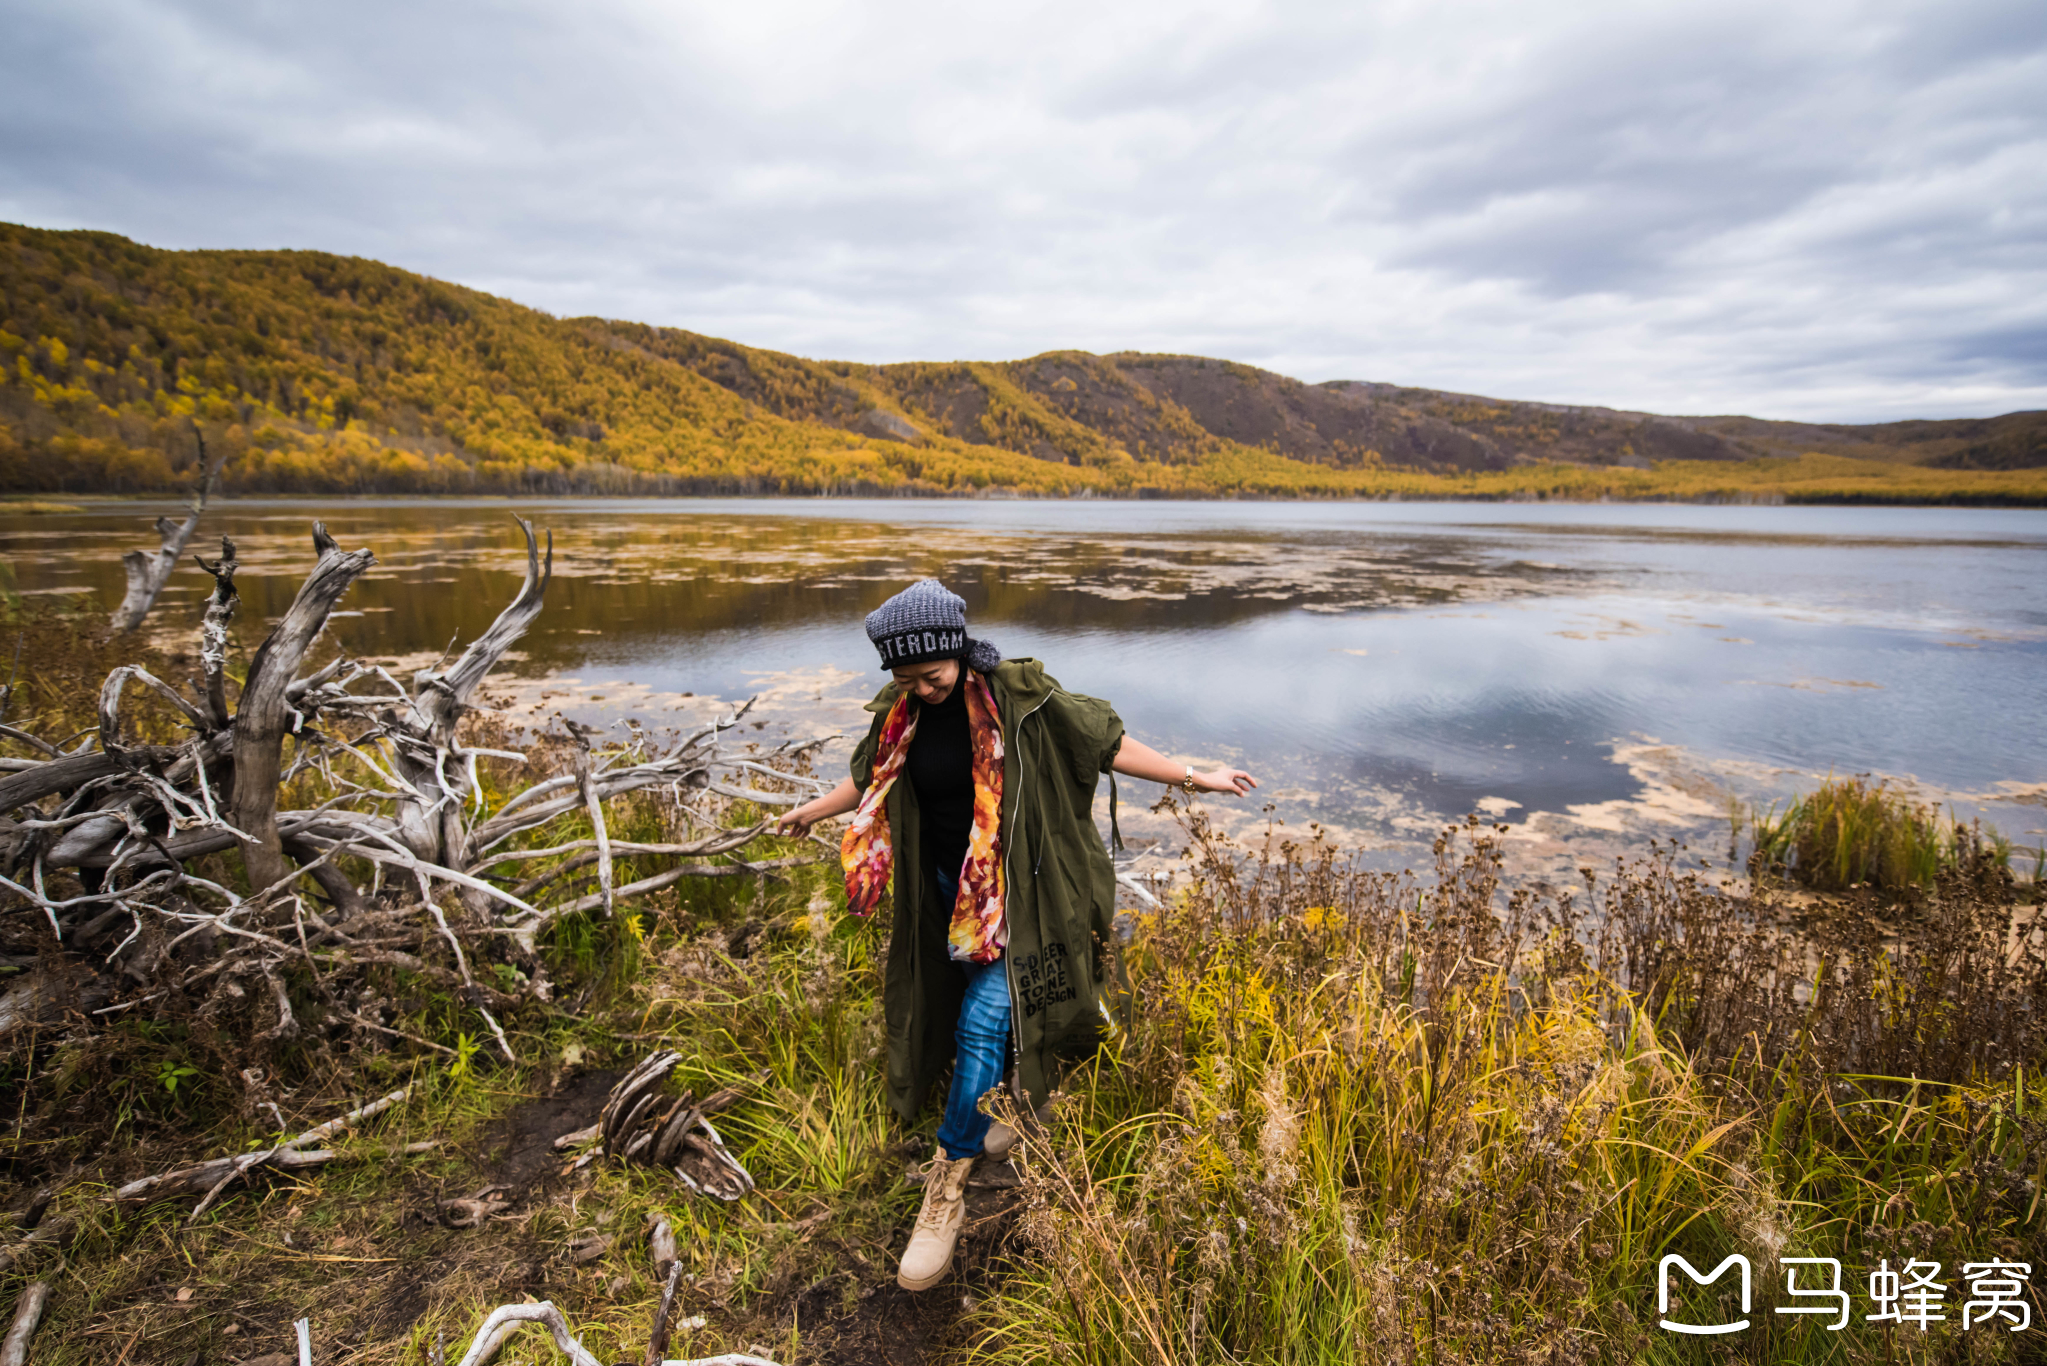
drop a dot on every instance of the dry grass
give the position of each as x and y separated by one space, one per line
1359 1118
54 652
1348 1117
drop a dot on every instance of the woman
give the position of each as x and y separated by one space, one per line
1004 892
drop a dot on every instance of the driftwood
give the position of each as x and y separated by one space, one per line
28 1312
636 1126
507 1319
422 733
44 993
657 1341
148 574
470 1211
661 1248
208 1179
497 1327
397 793
266 711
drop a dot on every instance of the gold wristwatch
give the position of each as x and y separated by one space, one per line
1188 782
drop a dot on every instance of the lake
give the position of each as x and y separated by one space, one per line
1591 675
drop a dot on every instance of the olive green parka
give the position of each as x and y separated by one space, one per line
1058 880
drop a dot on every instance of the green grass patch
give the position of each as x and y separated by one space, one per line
1855 833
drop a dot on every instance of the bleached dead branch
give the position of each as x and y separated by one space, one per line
637 1126
148 574
209 1179
507 1319
28 1312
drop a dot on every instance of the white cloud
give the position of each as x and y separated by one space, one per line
1833 210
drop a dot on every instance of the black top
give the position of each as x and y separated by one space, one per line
941 768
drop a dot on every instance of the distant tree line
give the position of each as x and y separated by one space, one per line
327 374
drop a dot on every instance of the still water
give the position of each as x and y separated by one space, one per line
1592 675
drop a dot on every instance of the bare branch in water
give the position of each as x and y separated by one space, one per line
147 574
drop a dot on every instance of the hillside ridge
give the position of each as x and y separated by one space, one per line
323 373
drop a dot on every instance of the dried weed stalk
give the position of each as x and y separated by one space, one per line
1365 1117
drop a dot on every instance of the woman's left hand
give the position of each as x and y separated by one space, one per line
1140 760
1234 781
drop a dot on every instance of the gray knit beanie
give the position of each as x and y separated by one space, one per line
927 621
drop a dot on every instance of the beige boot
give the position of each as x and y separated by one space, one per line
929 1255
1001 1138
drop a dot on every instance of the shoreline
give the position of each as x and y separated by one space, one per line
57 503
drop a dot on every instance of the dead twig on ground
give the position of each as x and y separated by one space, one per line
661 1245
208 1179
56 1233
657 1341
507 1319
28 1312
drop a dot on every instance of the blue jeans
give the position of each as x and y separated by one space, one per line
980 1043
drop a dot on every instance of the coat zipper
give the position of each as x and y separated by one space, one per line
1008 883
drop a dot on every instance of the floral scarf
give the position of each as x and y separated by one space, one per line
979 931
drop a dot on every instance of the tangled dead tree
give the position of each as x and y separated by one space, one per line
393 842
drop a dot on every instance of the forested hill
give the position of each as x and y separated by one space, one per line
320 373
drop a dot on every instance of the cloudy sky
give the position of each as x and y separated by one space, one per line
1818 210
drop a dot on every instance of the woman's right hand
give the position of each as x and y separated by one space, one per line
796 821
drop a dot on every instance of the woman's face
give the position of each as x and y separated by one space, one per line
932 683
